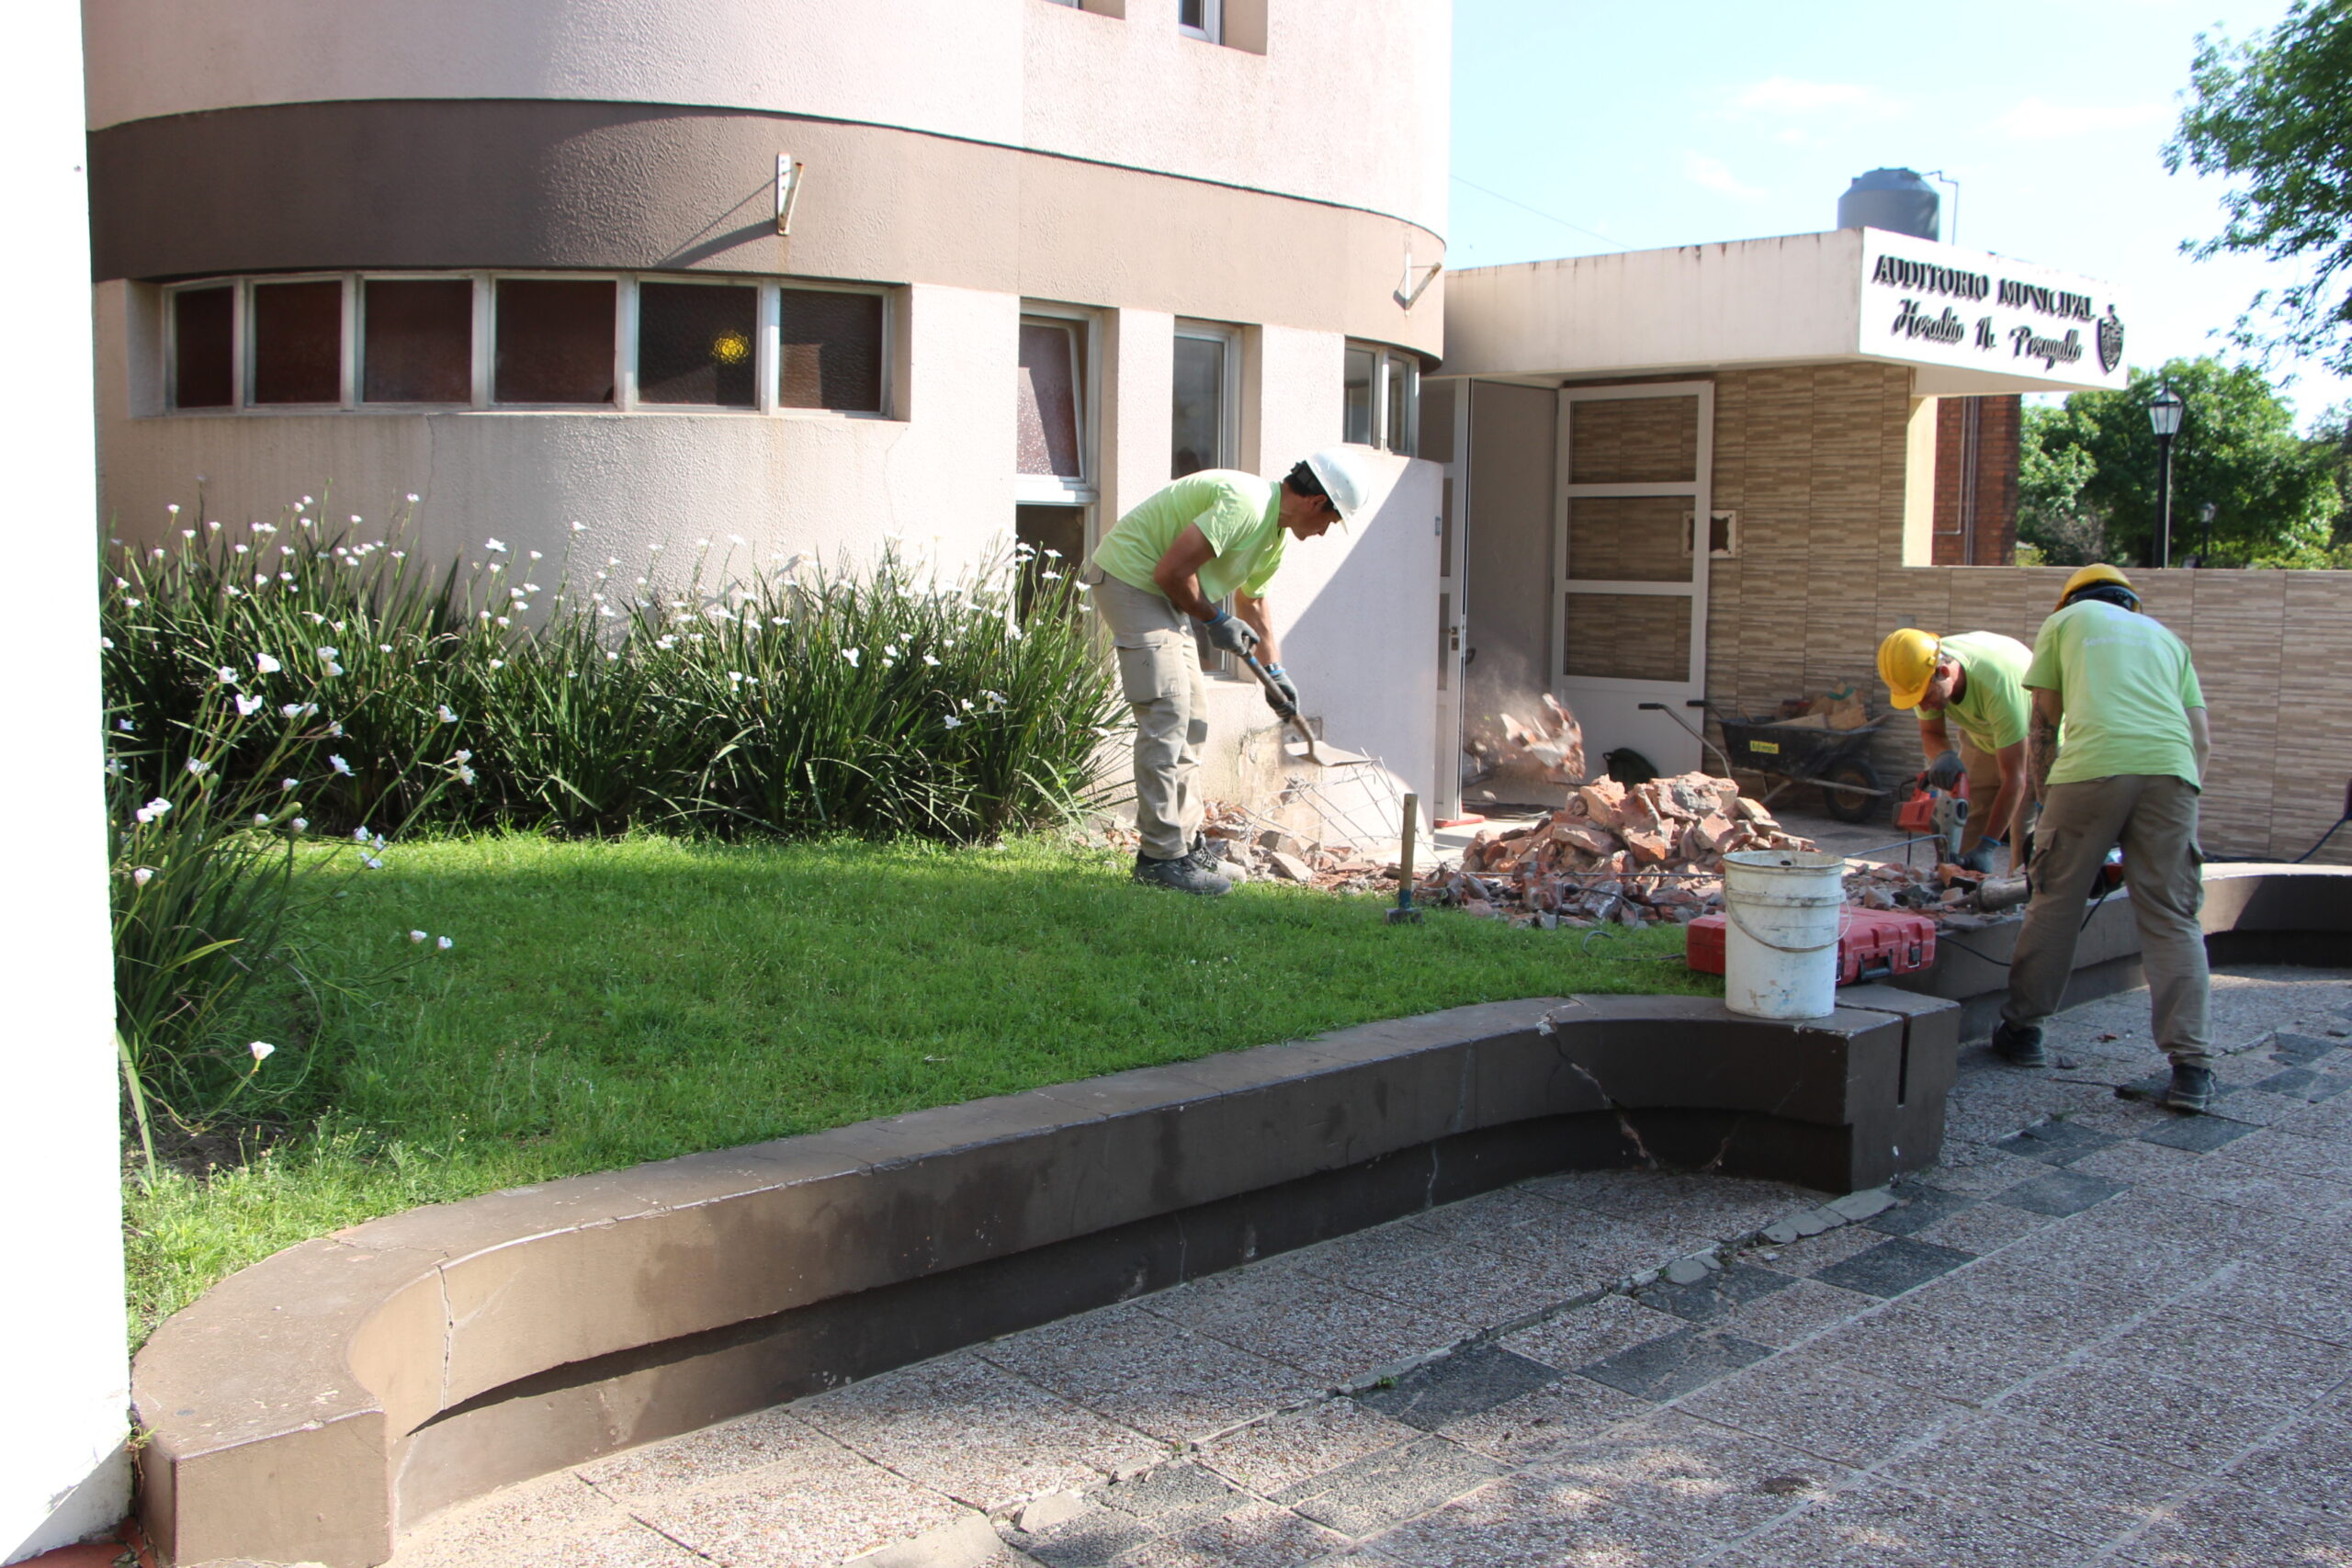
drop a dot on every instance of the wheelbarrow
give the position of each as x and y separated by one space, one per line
1835 762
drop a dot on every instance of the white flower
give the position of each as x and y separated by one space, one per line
578 526
418 936
610 657
261 818
227 675
354 517
340 766
495 547
702 544
444 944
306 501
536 556
153 810
330 654
359 835
143 875
247 706
498 664
266 664
124 725
412 498
334 668
509 620
198 767
383 648
465 775
299 824
134 604
955 723
334 729
850 654
173 509
931 659
462 757
734 538
446 717
263 1050
286 784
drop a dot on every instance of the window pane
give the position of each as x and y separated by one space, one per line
1628 636
831 351
298 342
694 344
203 348
554 341
1356 418
1397 434
1199 439
418 341
1048 411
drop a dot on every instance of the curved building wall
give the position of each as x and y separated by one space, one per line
1340 101
974 161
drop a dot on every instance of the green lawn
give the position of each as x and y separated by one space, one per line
611 1003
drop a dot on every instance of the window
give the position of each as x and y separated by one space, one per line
695 344
830 350
417 340
554 340
1381 393
1200 19
204 348
402 341
1204 426
1053 411
297 342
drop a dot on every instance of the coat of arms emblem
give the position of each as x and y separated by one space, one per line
2110 341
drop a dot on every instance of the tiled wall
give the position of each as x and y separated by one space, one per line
1813 458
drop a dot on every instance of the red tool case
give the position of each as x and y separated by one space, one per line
1872 944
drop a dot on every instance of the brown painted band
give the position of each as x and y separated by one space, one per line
500 183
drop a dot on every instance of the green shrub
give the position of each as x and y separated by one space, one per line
300 685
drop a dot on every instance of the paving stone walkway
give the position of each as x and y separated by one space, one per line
2097 1332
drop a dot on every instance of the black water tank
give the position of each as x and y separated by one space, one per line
1896 199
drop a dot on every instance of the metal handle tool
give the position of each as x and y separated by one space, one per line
1404 913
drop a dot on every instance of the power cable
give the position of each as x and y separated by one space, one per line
1551 217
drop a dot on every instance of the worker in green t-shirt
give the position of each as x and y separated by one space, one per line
1975 682
2116 747
1163 566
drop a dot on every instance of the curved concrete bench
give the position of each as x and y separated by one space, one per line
310 1407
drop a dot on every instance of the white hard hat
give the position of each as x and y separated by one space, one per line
1345 473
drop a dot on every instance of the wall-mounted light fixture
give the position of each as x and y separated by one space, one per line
1409 293
788 175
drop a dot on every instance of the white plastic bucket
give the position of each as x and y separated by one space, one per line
1782 913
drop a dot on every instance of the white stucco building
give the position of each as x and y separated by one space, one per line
525 262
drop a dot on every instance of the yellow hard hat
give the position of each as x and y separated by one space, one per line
2090 577
1906 662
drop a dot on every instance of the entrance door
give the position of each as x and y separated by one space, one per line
1629 625
1445 437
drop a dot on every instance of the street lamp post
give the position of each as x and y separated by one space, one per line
2164 417
2205 548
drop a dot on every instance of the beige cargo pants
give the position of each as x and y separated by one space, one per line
2153 817
1983 784
1160 670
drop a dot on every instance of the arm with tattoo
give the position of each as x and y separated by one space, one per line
2041 740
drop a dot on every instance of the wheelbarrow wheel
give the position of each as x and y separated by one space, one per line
1844 805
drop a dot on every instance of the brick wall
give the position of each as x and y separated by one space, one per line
1976 480
1813 458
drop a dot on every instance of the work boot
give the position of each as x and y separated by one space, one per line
1184 873
2020 1044
2191 1091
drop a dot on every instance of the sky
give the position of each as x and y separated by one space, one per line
1588 126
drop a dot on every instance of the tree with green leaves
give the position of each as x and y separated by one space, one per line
2274 115
2088 474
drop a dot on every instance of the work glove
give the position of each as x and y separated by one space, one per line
1946 772
1232 633
1286 704
1982 857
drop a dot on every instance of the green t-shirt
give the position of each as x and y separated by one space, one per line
2128 685
1236 513
1991 707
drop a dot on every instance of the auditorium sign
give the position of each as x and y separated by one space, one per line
1924 301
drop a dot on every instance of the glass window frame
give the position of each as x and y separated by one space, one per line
1211 27
768 343
1230 395
1055 489
1388 367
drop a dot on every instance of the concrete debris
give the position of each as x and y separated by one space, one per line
1553 744
1646 854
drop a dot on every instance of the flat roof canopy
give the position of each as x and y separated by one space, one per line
1967 322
